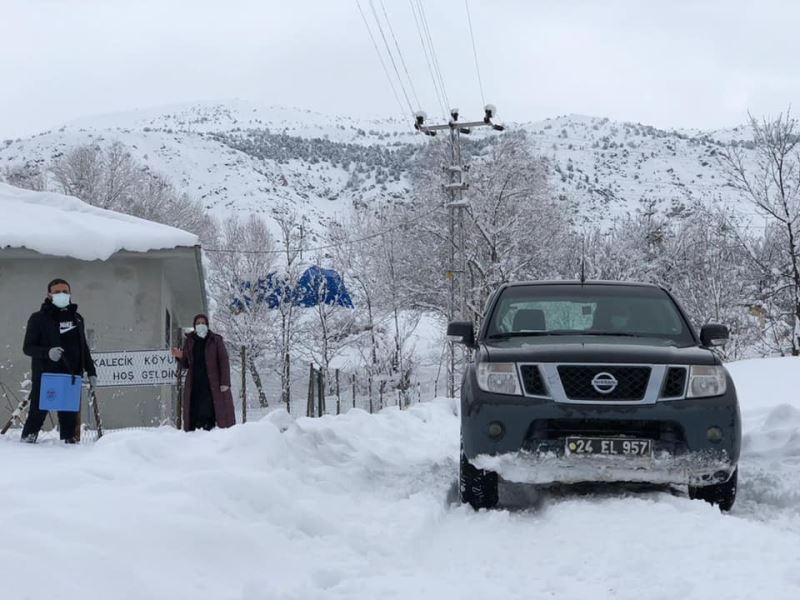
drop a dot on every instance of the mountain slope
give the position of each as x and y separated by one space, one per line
238 157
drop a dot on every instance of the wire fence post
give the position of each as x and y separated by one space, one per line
338 396
310 404
354 390
321 392
369 384
244 385
286 381
179 398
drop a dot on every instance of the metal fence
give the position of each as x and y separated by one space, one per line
313 395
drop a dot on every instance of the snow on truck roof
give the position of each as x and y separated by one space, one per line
60 225
588 282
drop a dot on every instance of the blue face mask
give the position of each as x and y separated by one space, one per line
61 300
201 330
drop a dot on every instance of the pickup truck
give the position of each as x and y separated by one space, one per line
572 382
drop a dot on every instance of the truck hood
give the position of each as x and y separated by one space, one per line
590 349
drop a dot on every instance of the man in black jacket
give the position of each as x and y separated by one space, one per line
55 339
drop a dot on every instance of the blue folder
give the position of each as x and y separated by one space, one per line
60 392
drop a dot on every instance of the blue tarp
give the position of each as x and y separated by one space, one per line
315 286
322 286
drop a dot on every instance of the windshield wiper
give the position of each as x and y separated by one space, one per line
611 333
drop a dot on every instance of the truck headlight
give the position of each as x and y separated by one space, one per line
499 378
707 381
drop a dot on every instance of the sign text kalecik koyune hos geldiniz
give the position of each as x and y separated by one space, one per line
135 368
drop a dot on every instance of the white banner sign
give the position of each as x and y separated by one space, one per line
135 367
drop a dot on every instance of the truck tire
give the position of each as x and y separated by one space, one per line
722 495
477 487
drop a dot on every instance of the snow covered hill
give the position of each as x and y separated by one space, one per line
360 506
235 156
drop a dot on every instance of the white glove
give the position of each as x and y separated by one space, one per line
224 388
55 354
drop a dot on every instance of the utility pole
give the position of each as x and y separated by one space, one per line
457 304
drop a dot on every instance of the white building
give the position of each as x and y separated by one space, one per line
136 284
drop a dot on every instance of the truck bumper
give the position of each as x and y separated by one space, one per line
695 441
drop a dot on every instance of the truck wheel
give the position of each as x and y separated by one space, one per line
477 487
721 494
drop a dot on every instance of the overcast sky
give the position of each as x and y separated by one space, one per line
671 63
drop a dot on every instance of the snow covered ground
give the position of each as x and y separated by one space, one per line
360 506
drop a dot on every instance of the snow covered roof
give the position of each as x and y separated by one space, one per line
60 225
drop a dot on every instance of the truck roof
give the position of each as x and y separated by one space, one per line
585 283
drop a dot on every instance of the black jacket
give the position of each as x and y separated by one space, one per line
43 333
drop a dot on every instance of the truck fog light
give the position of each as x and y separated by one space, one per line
496 430
714 434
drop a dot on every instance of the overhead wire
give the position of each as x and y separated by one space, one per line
400 55
383 63
431 71
434 55
475 52
391 56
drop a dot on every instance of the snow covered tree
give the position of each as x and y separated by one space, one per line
28 176
700 255
111 178
772 186
370 250
515 226
291 226
711 274
239 265
326 326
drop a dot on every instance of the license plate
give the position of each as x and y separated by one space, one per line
609 446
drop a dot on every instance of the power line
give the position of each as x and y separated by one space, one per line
439 96
329 246
475 52
380 58
400 54
434 56
391 56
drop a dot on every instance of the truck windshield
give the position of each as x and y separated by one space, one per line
613 310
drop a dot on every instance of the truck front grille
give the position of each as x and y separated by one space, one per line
577 382
533 381
674 383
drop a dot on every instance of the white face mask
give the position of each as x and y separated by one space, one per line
61 300
201 330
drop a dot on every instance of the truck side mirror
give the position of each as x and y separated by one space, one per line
714 335
461 332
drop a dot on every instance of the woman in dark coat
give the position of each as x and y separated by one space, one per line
207 398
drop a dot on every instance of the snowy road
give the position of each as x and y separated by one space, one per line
357 506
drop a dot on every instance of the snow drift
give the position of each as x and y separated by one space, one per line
359 506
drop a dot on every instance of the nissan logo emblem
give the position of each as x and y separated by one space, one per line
604 383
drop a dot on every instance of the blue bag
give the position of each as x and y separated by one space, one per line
60 392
